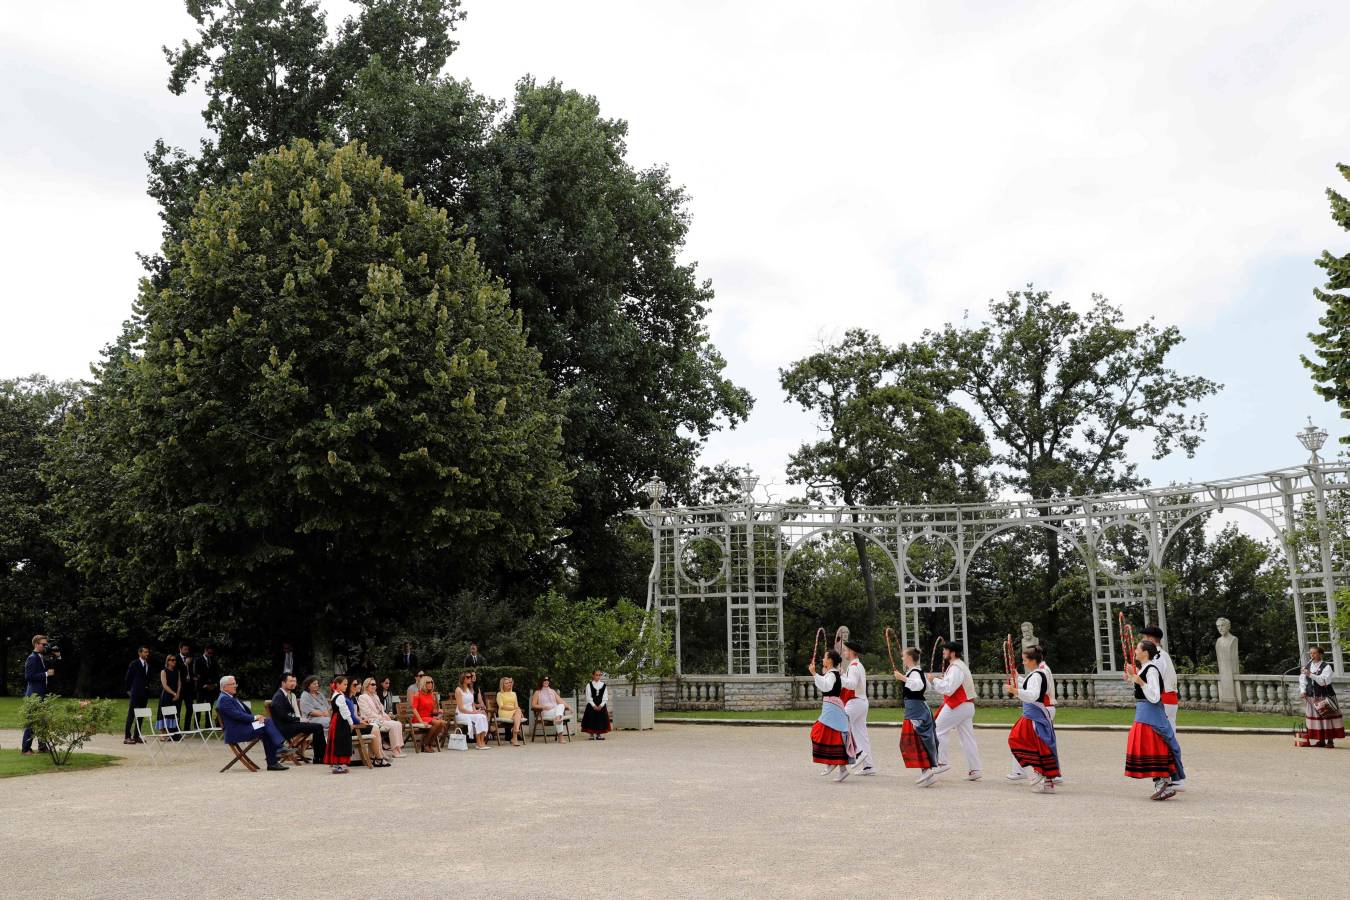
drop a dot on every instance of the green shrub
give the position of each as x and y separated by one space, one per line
64 726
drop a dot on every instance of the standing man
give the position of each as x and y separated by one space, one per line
407 659
35 675
958 711
207 674
188 666
474 660
137 687
286 715
854 695
240 726
286 659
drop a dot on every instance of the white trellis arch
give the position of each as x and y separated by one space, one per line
1306 507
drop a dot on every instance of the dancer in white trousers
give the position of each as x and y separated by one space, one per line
958 711
854 695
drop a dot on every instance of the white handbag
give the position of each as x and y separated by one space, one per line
457 741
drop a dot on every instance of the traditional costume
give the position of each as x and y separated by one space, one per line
1017 773
595 719
1032 739
829 736
1151 750
1171 699
918 735
1321 712
957 714
854 695
338 751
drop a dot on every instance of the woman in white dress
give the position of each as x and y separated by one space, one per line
467 714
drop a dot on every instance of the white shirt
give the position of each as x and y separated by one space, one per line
956 676
825 680
1321 675
1033 687
1152 686
1049 688
1167 670
604 699
914 680
855 678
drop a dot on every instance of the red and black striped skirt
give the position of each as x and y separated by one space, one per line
912 748
1147 755
1030 750
827 746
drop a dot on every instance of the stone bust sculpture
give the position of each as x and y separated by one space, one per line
840 636
1226 655
1029 638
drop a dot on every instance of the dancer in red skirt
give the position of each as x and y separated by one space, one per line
1032 739
1151 751
829 735
338 752
918 736
1321 711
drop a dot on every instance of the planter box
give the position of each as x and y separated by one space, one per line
633 713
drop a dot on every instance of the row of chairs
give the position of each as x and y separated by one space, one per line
500 726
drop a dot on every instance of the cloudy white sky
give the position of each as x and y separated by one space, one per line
885 165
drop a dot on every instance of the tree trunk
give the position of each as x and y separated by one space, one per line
322 649
865 564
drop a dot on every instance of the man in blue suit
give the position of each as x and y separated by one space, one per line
237 724
35 675
137 686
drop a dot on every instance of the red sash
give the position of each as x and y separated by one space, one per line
1171 698
956 698
846 695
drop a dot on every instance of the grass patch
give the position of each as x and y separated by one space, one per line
14 764
1007 715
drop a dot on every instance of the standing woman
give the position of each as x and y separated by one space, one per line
829 736
338 753
1321 711
918 736
467 714
170 689
595 718
1151 750
1032 739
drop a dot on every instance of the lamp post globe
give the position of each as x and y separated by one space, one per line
1312 438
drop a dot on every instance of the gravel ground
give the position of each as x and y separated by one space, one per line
685 811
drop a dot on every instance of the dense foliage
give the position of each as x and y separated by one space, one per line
1330 365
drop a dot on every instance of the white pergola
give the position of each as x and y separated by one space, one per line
1121 537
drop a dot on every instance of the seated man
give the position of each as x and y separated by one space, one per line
286 715
237 724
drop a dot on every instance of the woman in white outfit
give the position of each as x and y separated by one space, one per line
467 714
548 705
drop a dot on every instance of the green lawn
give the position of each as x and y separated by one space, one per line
12 763
11 713
1007 715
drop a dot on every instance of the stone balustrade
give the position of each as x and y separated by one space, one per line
1256 693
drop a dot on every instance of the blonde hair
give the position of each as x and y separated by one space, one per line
501 683
369 682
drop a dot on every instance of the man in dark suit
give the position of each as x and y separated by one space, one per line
473 660
287 717
406 659
208 675
137 687
35 675
187 665
287 660
237 724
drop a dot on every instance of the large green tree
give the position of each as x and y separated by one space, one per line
1331 346
890 433
334 408
589 246
1063 392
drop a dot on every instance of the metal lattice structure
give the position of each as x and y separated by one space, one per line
737 554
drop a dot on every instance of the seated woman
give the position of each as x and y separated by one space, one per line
467 714
313 706
386 696
361 727
595 717
425 710
372 712
508 709
548 705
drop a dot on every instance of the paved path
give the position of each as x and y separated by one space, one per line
685 811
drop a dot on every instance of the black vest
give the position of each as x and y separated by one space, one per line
1320 690
838 685
1143 674
904 688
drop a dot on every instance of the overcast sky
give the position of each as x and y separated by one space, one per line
884 165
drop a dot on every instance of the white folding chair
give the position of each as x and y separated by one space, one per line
149 737
204 722
172 732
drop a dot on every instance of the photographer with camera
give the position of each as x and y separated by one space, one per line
35 675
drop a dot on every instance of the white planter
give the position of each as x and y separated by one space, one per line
633 713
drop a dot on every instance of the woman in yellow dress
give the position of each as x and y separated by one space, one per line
508 707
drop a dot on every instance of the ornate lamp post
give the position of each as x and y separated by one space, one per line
656 490
1312 438
748 482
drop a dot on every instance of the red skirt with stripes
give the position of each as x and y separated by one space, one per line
912 748
827 746
1029 750
1147 754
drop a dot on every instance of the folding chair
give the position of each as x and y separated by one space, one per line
537 721
148 736
295 746
204 721
172 733
412 731
241 755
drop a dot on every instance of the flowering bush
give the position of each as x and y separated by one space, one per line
63 726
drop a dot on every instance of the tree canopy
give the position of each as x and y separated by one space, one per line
1330 364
